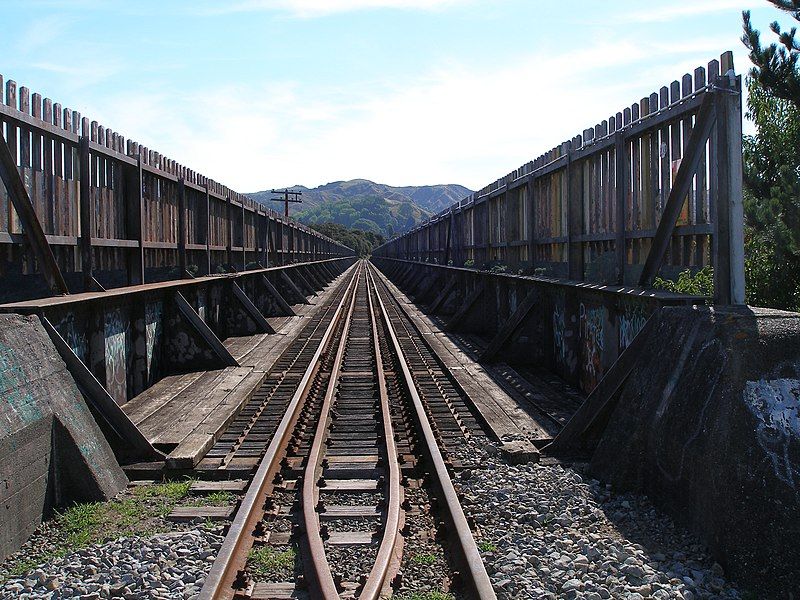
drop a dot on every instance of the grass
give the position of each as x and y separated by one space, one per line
424 558
266 560
214 499
81 525
486 546
426 596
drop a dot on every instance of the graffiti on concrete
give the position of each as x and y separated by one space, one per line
559 341
631 321
592 345
775 403
201 305
117 347
75 339
154 314
15 390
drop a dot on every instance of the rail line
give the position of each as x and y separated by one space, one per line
338 456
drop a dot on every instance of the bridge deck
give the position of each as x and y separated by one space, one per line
503 396
183 415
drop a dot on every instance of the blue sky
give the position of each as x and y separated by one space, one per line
261 93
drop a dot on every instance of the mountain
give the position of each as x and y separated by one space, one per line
370 206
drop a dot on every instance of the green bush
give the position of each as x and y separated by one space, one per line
699 283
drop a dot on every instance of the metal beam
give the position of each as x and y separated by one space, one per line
30 222
680 189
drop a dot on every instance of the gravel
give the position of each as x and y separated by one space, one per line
167 565
546 532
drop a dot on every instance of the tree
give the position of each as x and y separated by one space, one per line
776 66
772 166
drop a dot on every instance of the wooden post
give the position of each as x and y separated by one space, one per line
531 224
182 227
30 222
621 188
729 222
229 227
133 199
87 266
574 213
205 226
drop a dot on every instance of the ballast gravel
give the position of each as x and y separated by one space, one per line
166 566
545 531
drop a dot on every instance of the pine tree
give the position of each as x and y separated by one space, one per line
776 65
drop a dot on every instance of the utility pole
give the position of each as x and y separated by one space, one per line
285 198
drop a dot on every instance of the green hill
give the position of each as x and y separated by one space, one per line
368 206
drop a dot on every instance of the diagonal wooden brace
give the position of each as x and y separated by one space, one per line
695 149
510 326
30 222
282 303
462 311
204 331
301 297
101 400
251 309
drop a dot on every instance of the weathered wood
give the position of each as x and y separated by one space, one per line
510 326
465 307
205 487
272 291
204 330
85 212
301 297
104 405
297 274
600 402
181 226
181 514
443 295
30 222
251 309
677 196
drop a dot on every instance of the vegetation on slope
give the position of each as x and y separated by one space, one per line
361 241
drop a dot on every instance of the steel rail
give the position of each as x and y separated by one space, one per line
391 532
478 578
319 561
232 556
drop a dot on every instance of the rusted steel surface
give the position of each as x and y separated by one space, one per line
232 555
344 415
477 579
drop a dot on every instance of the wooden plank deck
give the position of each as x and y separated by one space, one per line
185 414
505 410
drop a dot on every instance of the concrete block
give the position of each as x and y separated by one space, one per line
51 449
708 425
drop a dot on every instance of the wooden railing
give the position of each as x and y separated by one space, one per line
654 189
115 213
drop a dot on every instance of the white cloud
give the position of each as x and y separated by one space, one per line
681 9
452 124
319 8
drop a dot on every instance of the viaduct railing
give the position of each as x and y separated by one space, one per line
654 189
112 212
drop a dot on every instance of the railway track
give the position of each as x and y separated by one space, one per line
336 459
